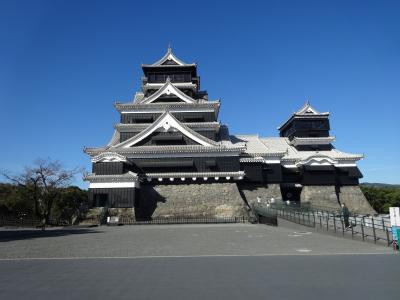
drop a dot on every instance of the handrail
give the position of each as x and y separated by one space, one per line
368 227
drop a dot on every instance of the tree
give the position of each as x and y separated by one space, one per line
382 197
71 202
43 181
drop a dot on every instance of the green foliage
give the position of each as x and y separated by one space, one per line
382 197
41 186
14 198
70 203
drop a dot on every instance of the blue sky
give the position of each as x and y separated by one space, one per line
64 63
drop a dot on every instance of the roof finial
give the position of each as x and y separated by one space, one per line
308 102
169 47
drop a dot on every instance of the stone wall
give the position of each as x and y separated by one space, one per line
250 192
124 212
213 200
323 196
355 200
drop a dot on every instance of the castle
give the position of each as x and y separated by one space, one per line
171 157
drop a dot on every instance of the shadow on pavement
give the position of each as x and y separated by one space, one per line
26 234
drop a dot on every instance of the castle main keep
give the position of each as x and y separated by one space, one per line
171 157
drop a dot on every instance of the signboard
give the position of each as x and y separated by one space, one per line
395 223
395 233
394 216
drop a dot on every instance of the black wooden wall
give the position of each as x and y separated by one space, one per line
206 133
306 128
127 118
109 168
189 164
113 197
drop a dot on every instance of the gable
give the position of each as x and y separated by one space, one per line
167 123
168 89
168 99
170 62
166 138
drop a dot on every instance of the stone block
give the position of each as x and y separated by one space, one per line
355 200
121 212
213 200
323 196
267 191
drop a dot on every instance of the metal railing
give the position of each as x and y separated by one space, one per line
20 221
124 220
29 221
363 227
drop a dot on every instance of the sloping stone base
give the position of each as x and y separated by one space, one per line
121 212
92 216
355 200
211 200
320 196
250 192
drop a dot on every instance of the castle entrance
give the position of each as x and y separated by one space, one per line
291 192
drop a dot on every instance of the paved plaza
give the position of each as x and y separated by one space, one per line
232 261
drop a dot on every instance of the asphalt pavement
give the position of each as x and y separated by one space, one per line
234 261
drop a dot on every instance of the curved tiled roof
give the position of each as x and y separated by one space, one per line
127 177
168 56
195 174
163 106
166 149
307 109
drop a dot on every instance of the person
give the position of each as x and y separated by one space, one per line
345 214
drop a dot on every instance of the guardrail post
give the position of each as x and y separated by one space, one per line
327 222
362 228
320 220
373 229
387 237
352 231
334 223
341 220
383 224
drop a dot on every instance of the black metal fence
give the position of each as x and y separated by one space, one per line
29 221
124 220
365 228
19 221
